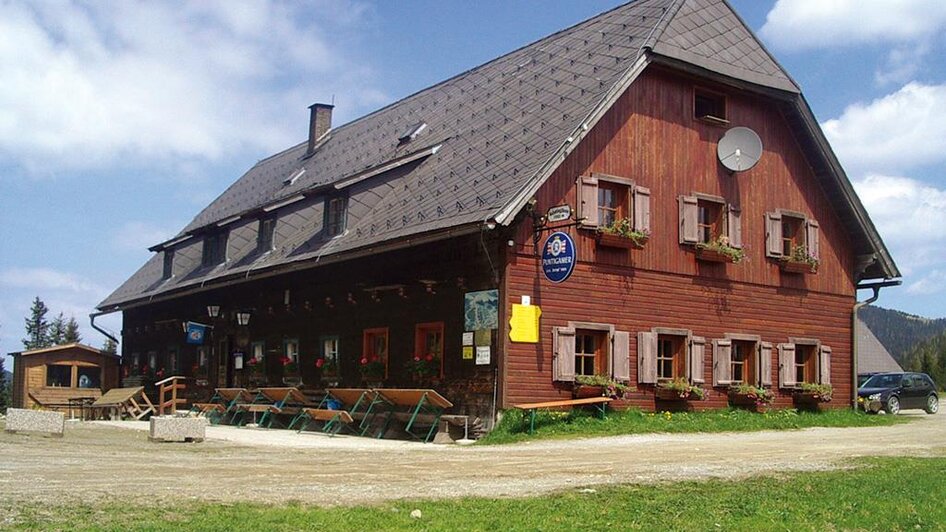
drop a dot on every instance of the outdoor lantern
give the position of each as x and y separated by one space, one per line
213 311
243 317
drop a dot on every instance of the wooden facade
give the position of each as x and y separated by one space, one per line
651 137
50 377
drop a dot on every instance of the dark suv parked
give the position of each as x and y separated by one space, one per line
894 392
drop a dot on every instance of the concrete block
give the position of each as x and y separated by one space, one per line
174 428
23 420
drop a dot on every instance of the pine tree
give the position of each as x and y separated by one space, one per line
4 388
57 330
110 347
72 336
37 329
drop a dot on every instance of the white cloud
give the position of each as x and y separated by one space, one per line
911 218
139 236
47 279
902 64
898 132
803 24
87 84
932 283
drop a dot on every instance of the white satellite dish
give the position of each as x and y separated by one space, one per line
739 149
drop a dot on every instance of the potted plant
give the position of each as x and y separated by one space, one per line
679 390
809 393
747 395
719 250
799 261
423 368
371 368
621 234
328 370
599 386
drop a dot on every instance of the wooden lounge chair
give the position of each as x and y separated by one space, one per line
122 401
418 407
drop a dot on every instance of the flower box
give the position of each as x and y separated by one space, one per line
582 391
790 266
810 398
611 240
748 402
665 394
711 255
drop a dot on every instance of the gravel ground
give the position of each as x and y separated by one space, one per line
98 461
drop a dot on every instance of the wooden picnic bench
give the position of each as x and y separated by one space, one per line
118 401
272 401
334 420
361 404
421 406
600 404
223 403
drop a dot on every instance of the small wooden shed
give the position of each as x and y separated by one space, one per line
52 376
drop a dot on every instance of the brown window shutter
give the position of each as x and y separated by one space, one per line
689 230
641 209
563 363
734 226
697 353
786 365
647 358
765 364
588 201
824 365
811 238
722 358
773 234
621 356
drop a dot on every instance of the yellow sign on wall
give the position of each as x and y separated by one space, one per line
524 324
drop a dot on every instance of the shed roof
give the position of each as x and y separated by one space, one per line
494 134
64 347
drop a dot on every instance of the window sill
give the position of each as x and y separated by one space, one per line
714 120
711 255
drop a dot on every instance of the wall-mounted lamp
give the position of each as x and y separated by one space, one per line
243 317
213 311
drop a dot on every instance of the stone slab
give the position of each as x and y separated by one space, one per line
174 428
23 420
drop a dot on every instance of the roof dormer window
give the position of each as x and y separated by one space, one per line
336 213
215 249
168 269
265 236
709 106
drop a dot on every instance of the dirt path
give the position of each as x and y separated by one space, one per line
95 461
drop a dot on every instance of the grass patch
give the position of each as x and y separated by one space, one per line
878 494
578 423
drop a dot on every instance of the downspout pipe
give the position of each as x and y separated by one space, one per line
856 329
99 329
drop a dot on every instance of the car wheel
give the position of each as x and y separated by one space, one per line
932 404
892 406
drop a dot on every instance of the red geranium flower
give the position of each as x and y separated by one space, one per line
416 358
430 358
364 361
285 361
319 362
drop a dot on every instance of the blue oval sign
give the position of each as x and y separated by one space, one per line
558 258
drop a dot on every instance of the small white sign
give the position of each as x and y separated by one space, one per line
468 338
238 360
526 301
559 213
482 355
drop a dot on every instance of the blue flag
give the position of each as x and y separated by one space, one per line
195 333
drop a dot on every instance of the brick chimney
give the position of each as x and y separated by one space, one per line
320 121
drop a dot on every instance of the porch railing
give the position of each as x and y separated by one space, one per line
171 385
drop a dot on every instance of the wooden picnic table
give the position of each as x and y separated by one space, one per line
420 405
118 401
272 401
600 404
362 404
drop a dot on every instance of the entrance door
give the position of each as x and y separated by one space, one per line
224 364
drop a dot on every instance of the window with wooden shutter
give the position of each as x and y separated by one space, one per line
696 361
588 201
621 356
642 209
734 226
786 366
824 365
722 371
689 218
812 239
773 234
647 358
563 360
765 364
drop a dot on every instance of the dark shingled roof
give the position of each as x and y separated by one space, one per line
493 134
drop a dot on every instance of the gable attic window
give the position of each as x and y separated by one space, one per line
266 233
168 267
214 250
709 106
336 213
613 204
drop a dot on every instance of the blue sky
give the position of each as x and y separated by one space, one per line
120 121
